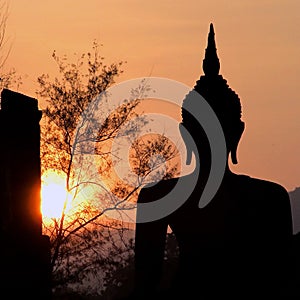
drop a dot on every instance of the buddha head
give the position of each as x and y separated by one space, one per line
224 102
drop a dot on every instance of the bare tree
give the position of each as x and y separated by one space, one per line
85 239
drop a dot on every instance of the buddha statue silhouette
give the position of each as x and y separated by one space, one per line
235 246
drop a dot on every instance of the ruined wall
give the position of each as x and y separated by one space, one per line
25 252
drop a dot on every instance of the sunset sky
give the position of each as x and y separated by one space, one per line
258 45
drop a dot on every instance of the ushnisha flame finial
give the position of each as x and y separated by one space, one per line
211 63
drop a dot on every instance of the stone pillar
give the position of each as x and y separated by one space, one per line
25 251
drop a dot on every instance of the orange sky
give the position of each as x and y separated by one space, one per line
258 45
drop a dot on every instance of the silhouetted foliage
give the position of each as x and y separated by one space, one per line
86 244
8 78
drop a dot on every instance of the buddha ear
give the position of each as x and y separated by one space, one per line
189 153
188 143
235 141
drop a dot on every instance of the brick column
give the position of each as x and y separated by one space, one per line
25 251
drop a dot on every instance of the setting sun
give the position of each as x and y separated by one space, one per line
53 194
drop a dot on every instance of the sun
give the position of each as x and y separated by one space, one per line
53 194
